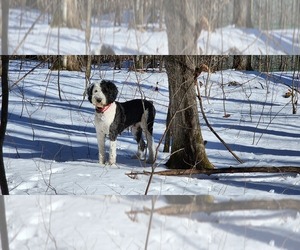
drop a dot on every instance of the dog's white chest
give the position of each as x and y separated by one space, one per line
104 120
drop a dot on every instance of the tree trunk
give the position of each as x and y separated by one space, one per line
5 92
4 115
242 13
161 14
188 149
168 134
67 15
180 20
71 63
242 62
88 26
138 9
3 225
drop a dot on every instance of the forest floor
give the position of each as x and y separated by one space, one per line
51 148
31 34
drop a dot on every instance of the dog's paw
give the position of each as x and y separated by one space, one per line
102 160
138 157
112 165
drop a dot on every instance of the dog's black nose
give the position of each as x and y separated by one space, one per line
98 100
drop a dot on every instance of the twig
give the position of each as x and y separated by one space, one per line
211 129
15 52
30 71
150 222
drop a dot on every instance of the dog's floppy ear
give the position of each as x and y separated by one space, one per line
110 91
90 91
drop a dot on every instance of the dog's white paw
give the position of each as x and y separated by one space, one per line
137 157
112 165
102 162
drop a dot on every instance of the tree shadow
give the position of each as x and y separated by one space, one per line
285 189
239 221
275 77
274 40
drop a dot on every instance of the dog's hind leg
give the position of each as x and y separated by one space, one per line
137 132
147 127
148 130
151 147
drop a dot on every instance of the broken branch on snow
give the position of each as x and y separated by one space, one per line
230 170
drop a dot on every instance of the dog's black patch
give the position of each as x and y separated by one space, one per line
110 91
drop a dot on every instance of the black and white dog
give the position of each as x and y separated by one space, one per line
112 117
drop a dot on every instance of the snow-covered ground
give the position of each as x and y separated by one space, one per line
30 33
51 144
51 148
109 222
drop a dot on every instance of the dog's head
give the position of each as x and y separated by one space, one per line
102 93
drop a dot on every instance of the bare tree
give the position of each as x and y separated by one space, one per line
3 225
242 13
88 26
295 86
4 80
67 14
4 115
188 149
242 62
67 62
139 8
180 19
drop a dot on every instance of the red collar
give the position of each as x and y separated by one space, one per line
102 110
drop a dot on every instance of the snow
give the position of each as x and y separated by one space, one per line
108 222
30 33
50 149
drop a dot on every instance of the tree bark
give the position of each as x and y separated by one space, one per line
188 149
138 8
230 170
242 62
206 204
180 20
3 225
4 115
70 62
67 15
168 134
242 13
5 92
4 27
88 27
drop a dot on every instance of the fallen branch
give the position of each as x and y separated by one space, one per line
230 170
211 207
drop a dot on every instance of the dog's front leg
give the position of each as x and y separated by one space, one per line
113 152
101 147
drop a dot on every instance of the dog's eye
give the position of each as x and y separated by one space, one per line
95 91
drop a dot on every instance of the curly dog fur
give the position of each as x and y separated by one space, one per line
112 117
